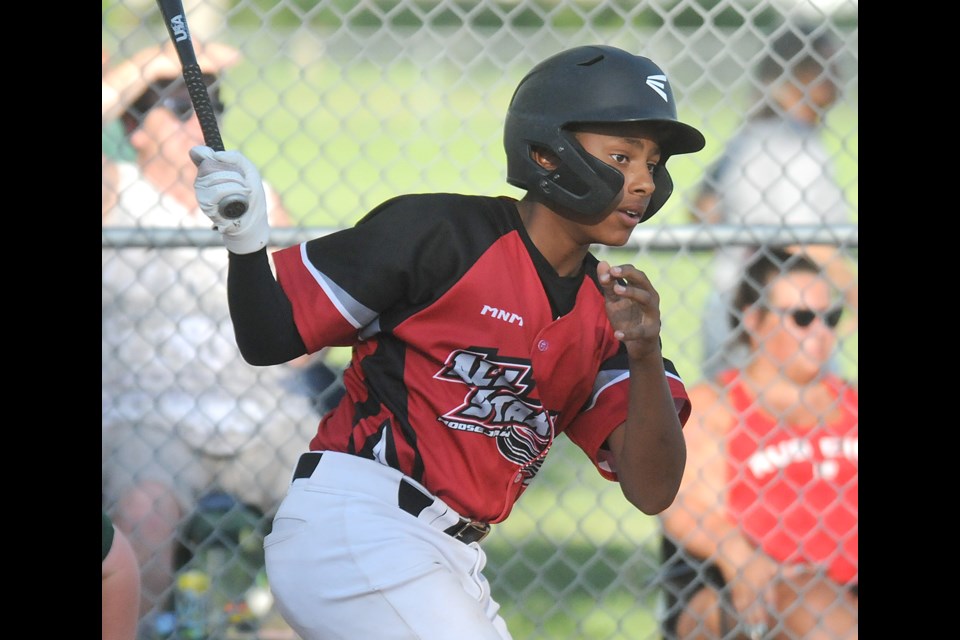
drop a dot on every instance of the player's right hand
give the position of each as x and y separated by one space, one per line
226 175
633 308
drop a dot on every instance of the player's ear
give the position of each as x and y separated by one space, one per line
545 158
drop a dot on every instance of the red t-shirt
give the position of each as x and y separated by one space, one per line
470 354
794 490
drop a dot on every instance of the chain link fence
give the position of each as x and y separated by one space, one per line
343 104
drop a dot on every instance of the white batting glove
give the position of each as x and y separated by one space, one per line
227 175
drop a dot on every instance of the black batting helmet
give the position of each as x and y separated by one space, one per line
585 85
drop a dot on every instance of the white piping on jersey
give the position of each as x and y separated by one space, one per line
614 380
335 294
674 376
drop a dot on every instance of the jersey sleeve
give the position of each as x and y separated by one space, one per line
397 256
607 408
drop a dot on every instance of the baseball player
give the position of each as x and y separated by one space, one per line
482 329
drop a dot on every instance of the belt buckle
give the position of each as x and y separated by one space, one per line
471 531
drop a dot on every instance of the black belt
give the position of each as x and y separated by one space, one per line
409 498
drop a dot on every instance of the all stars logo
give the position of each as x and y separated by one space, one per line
497 404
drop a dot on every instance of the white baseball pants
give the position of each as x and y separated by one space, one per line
345 562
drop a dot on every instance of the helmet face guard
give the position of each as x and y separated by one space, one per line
593 84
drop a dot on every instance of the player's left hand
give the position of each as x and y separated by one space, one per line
633 307
229 174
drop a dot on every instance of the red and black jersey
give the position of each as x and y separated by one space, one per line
470 354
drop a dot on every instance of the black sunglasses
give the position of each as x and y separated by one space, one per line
182 107
804 317
179 105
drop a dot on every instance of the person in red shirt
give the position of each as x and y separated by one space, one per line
763 535
482 329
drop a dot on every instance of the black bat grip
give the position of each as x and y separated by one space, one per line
235 206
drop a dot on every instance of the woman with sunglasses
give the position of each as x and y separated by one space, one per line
762 540
146 93
173 428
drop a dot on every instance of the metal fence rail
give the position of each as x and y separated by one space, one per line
652 238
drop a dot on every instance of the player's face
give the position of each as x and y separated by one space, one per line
794 324
635 154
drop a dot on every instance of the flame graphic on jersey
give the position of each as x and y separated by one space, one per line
497 405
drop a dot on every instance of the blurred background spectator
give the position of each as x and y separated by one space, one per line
187 425
763 537
119 585
775 171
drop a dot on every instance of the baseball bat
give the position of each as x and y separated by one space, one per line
176 20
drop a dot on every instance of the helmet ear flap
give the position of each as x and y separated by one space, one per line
582 182
664 187
579 184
